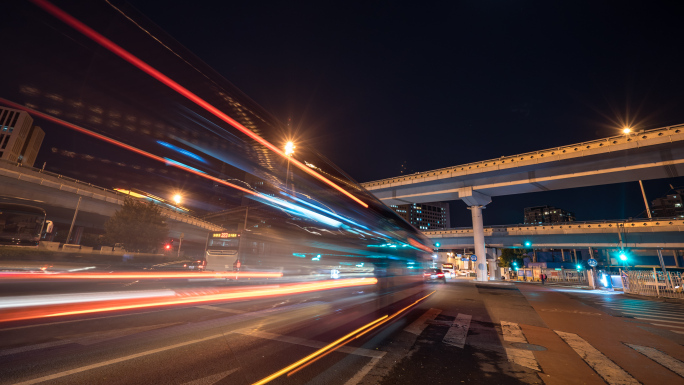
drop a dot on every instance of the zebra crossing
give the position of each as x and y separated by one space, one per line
663 314
515 342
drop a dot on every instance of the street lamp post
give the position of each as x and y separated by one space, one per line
289 150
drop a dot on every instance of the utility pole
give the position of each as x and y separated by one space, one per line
180 243
73 220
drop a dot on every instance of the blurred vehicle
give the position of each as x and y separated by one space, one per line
221 252
22 225
461 273
448 269
432 275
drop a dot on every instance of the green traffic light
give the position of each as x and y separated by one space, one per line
437 244
528 243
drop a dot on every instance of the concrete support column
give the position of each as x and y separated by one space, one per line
534 255
562 256
476 202
478 237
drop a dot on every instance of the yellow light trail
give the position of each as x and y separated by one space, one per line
313 357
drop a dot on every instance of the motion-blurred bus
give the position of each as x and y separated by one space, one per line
22 225
221 253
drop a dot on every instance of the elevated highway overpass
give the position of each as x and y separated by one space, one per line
643 155
58 195
646 234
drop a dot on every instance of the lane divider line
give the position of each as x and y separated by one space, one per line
313 357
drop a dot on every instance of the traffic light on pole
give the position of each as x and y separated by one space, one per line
622 255
528 244
437 244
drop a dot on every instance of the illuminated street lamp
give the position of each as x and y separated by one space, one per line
289 151
177 198
626 130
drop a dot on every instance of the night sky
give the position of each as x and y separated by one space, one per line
381 87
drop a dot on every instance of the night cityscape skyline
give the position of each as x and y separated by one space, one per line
547 95
341 193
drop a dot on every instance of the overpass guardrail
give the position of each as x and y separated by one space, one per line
65 183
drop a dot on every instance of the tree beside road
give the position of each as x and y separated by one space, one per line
139 225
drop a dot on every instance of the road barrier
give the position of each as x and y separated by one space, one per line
653 283
553 275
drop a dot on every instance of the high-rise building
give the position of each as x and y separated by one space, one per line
669 206
547 214
425 216
20 140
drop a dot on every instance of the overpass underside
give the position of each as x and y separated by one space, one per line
645 155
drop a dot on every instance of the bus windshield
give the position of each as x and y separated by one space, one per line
21 224
223 243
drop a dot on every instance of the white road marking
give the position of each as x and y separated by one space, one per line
512 332
659 320
646 311
309 343
362 373
225 310
607 369
417 326
653 315
456 336
669 326
663 359
522 357
115 361
209 380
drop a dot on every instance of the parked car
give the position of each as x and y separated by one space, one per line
432 275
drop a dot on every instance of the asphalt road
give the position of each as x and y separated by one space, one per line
463 332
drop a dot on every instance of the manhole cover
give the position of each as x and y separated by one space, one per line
521 345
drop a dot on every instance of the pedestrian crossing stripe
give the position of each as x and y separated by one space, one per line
607 369
512 334
663 359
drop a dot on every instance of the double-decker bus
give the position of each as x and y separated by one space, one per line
22 225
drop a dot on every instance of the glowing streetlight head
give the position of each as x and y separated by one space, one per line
626 130
177 198
289 148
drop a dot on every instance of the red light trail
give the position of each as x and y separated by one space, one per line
122 53
190 297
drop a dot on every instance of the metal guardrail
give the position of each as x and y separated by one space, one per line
605 224
653 283
486 165
527 274
117 196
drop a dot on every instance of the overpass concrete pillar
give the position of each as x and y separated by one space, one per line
476 202
478 237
